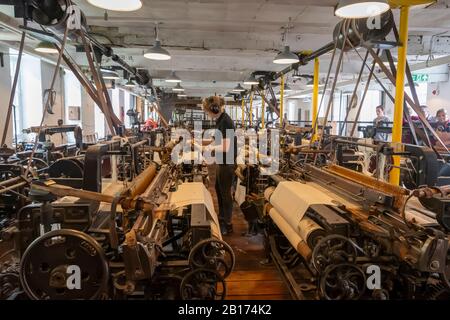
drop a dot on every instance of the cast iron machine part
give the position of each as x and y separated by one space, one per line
45 275
129 252
336 244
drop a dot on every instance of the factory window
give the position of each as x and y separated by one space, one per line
307 115
422 92
28 98
99 123
127 98
72 98
339 111
115 100
368 111
146 110
337 105
72 102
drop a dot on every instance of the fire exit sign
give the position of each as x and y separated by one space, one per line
420 77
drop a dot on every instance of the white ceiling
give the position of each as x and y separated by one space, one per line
217 43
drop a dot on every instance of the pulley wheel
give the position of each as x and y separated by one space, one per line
66 168
342 282
333 249
48 264
203 284
213 254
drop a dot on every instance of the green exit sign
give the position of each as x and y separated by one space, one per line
420 77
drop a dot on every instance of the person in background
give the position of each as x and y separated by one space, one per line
380 121
442 122
150 124
298 136
426 113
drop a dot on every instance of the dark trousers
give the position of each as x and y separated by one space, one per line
224 182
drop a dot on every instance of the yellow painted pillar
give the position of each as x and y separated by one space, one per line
251 109
282 101
399 93
243 112
315 99
263 112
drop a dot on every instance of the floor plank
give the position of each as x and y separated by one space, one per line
256 288
251 279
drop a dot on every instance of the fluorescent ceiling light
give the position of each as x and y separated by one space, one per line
352 9
117 5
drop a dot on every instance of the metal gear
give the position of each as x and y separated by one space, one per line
213 254
9 284
344 281
439 292
203 284
331 250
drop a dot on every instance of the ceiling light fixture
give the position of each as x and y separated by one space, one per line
182 95
286 56
238 88
109 74
129 84
251 80
173 78
157 52
117 5
46 47
296 75
352 9
178 88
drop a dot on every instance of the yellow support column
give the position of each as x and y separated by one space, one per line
243 112
251 110
400 93
315 99
263 112
282 101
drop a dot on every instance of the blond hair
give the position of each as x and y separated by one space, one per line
213 103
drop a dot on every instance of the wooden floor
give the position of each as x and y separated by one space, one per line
250 280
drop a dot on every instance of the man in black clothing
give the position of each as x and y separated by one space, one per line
224 147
